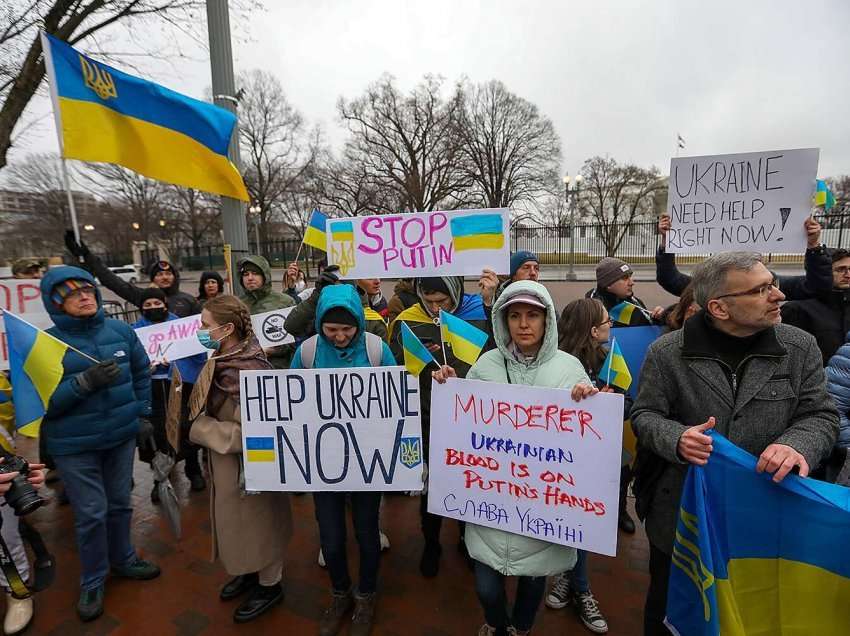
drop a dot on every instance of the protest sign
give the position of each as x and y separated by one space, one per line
527 460
452 243
750 202
198 398
173 339
269 329
23 298
331 429
174 410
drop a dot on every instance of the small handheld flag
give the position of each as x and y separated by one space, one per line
416 355
466 341
624 313
615 371
824 196
315 235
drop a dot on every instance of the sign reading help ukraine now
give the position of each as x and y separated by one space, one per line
451 243
527 460
331 429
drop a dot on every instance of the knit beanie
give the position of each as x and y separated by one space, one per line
518 258
152 293
340 316
62 290
610 270
160 266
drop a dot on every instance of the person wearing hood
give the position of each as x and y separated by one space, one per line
250 531
90 427
210 286
614 285
434 294
301 321
340 325
526 334
162 274
154 312
255 278
404 296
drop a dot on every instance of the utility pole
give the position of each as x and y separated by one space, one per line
224 94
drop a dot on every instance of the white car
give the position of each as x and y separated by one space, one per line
127 273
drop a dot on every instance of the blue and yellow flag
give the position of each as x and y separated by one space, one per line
105 115
7 414
824 196
315 234
627 313
477 232
755 557
35 364
615 371
342 231
416 354
259 449
466 341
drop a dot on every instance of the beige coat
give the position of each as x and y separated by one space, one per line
250 532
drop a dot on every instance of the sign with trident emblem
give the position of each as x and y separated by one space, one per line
342 246
98 79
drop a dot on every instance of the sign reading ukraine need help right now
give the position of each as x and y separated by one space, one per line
527 460
451 243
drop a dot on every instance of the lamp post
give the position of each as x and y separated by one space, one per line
571 199
255 211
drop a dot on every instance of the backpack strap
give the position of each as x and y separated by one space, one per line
308 352
374 349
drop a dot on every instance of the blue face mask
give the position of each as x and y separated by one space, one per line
206 340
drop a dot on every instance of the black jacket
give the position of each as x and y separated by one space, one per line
817 280
610 301
827 318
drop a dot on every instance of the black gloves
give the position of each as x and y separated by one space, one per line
80 250
145 434
98 375
328 277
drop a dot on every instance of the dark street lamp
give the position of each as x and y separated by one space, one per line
571 199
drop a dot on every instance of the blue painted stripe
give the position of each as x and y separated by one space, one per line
477 224
414 346
342 226
318 220
259 443
206 123
463 329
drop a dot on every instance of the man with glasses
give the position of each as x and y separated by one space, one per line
614 285
735 369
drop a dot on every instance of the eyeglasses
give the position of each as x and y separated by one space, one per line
88 291
610 321
761 291
843 270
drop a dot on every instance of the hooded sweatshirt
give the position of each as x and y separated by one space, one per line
79 421
301 321
179 303
205 276
263 299
328 355
513 554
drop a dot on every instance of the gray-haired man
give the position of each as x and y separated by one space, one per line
733 368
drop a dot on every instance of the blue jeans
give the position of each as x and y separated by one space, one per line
98 487
490 586
578 575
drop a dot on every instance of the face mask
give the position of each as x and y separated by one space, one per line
157 314
300 286
206 340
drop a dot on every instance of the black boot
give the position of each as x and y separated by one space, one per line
429 565
238 585
262 599
625 522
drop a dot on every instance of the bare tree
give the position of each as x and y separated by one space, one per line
194 216
616 194
512 151
277 148
407 145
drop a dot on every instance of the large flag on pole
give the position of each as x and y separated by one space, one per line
35 366
103 114
754 557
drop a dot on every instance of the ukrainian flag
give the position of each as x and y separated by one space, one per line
824 196
7 414
615 371
416 355
105 115
342 231
315 234
466 341
758 558
35 364
259 449
477 232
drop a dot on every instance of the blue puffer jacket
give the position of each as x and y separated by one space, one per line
838 386
328 356
189 367
79 421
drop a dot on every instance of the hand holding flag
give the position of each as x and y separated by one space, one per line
466 341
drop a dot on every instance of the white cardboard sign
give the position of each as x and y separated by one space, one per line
527 460
331 429
753 201
173 339
450 243
268 327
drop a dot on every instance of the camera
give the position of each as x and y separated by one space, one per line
21 494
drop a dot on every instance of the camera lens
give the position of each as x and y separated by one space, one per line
23 497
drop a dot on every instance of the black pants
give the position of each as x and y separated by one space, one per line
330 513
656 596
159 405
490 587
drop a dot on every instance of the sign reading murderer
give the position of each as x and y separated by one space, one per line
331 429
749 202
269 330
453 243
527 460
173 339
23 298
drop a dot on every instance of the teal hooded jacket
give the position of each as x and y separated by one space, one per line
80 421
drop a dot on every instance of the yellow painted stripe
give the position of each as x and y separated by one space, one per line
342 236
464 349
479 242
260 455
315 238
92 132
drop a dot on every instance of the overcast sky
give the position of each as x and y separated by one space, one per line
617 78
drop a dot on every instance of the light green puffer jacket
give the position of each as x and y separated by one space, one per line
508 553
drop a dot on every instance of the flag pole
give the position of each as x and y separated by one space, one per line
71 347
443 342
71 207
613 347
